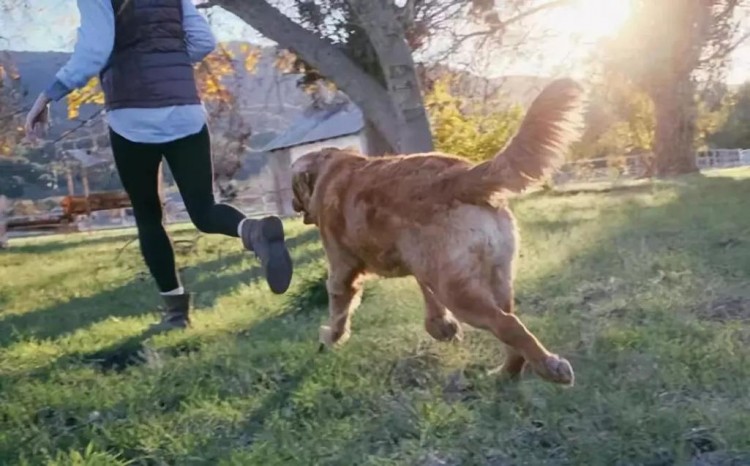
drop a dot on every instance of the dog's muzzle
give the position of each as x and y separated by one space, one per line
297 207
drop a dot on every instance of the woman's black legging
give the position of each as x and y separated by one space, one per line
189 160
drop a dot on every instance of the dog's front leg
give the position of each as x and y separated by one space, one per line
344 287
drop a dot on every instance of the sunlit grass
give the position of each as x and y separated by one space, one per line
643 287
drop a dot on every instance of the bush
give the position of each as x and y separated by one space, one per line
473 134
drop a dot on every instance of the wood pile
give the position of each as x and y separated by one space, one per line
83 205
64 221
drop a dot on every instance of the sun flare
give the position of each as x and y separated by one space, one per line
594 19
571 32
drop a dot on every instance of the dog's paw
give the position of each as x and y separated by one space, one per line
556 369
445 329
330 339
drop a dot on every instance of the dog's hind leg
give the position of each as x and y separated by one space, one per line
344 287
476 306
502 290
439 322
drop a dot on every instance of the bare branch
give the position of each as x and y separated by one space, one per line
325 57
78 126
725 51
535 10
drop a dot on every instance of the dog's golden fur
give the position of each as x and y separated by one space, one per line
442 220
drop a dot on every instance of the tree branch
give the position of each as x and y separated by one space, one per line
534 10
494 29
77 127
331 62
723 52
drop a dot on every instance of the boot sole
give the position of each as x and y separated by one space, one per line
278 266
161 327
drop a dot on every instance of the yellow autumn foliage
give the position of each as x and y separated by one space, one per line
459 129
210 76
91 93
285 61
11 114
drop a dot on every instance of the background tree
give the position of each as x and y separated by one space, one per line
734 130
10 106
620 120
665 49
15 170
367 48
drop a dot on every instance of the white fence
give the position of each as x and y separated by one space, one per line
722 158
591 170
637 166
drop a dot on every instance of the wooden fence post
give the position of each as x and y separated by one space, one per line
69 178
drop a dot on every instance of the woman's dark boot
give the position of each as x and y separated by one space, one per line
265 238
176 313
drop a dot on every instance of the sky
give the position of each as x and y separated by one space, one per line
49 25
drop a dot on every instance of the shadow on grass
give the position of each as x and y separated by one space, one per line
60 243
699 234
135 297
67 242
702 223
643 187
310 296
276 376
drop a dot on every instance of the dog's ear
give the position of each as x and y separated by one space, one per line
307 182
308 179
303 185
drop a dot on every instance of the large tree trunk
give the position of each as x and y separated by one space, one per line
389 40
374 100
674 138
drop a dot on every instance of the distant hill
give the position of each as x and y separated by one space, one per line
37 71
269 98
509 90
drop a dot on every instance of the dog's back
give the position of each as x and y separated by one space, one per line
398 213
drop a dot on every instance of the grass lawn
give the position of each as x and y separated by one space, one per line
644 288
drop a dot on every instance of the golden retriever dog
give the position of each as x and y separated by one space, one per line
444 221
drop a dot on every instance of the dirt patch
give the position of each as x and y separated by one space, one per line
418 370
700 442
720 458
593 293
120 358
725 309
458 387
729 243
185 348
438 459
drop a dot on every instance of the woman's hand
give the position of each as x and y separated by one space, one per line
38 117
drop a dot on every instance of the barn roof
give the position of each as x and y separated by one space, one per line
318 125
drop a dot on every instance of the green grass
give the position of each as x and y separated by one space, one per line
643 288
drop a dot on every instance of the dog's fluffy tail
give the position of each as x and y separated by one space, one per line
552 123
